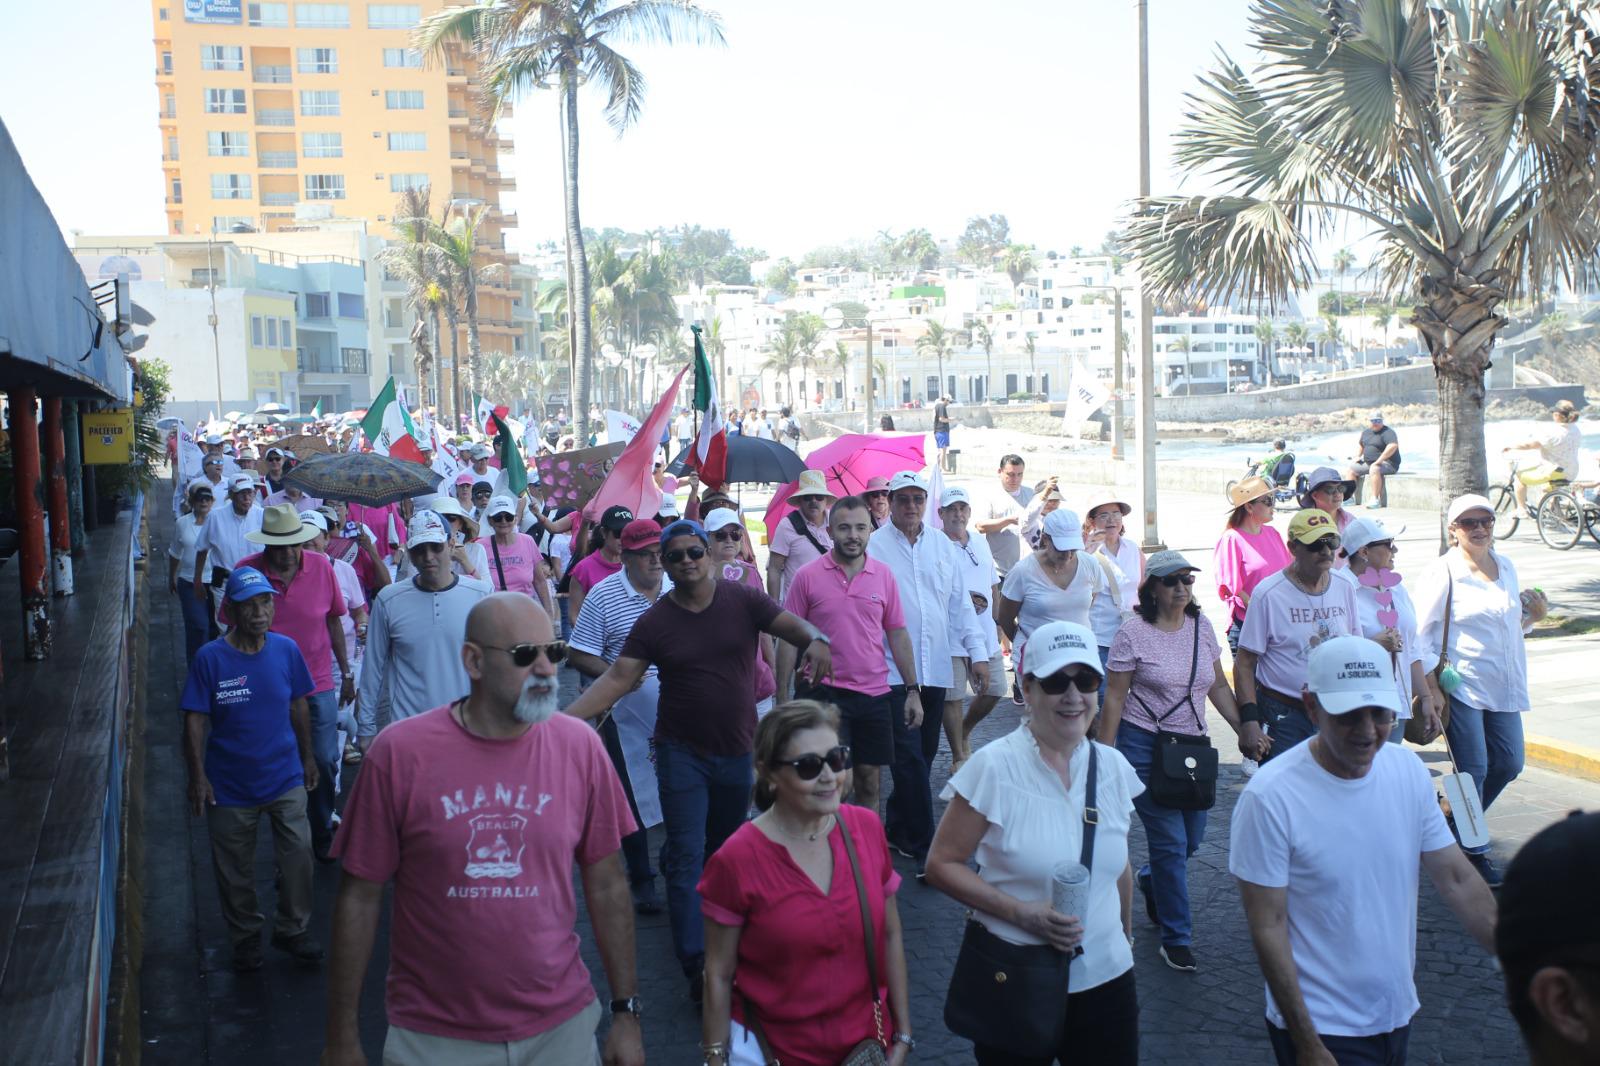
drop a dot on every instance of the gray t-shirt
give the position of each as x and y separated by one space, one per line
1374 442
1007 545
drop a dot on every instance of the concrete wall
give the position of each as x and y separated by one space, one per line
1408 384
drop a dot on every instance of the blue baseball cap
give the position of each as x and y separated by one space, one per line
683 527
245 583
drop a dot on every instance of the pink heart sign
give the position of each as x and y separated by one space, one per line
1383 581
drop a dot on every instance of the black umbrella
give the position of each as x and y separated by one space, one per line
751 460
362 477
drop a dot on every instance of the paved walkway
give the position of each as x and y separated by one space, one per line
198 1012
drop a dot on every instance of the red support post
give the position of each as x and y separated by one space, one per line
55 472
32 553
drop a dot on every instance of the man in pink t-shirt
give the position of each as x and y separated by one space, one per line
855 601
477 811
310 612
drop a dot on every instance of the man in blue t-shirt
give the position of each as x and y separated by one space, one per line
251 685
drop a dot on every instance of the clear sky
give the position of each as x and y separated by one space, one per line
821 121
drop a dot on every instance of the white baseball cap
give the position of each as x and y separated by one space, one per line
500 505
213 438
1056 645
1065 530
954 494
1349 673
669 505
1363 531
907 479
242 483
315 518
481 451
427 527
722 518
1462 504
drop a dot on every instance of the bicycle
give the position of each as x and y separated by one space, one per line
1503 498
1563 515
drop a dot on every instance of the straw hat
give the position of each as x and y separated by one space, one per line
447 505
811 483
1251 488
281 525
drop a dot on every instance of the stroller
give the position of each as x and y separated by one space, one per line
1287 486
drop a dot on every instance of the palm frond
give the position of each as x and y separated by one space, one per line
622 82
1214 247
659 22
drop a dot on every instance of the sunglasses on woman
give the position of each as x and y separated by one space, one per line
523 655
1475 523
725 535
1056 683
502 517
678 555
808 767
1173 580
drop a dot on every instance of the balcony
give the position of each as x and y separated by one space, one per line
272 75
509 220
274 116
458 116
346 361
280 199
277 160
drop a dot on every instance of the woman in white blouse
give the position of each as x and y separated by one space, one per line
1369 546
199 616
1489 614
1017 807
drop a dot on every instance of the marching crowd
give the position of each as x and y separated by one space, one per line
751 714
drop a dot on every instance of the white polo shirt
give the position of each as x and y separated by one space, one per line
414 640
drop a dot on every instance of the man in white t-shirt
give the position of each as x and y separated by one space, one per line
1002 518
1325 845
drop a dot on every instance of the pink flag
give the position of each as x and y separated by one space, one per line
631 483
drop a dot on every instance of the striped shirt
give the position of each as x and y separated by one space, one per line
607 616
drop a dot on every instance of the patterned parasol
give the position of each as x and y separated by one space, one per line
363 477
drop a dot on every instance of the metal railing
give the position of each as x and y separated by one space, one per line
277 160
274 116
272 75
315 362
279 199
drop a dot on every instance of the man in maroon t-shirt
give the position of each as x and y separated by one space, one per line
701 637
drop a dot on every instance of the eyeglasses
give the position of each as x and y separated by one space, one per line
1172 580
1327 545
1328 489
678 555
808 767
725 535
1263 501
475 495
523 655
652 554
502 517
1476 523
1388 545
1056 683
876 495
1380 717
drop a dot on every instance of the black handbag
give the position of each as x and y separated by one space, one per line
1183 768
1014 996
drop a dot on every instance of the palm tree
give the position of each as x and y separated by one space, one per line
880 372
982 335
1462 133
716 347
1265 335
414 261
783 357
807 330
460 250
1332 338
937 341
1343 260
1381 319
530 44
1030 347
1294 335
841 364
1018 264
1182 343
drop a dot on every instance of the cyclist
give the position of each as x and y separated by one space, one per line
1558 454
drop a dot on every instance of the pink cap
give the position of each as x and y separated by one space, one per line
465 479
877 484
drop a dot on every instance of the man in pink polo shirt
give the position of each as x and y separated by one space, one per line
310 609
855 601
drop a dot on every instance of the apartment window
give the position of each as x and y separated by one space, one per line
255 331
322 16
272 333
285 338
408 142
354 360
161 14
227 223
177 191
351 305
221 57
230 187
222 142
316 305
172 147
402 182
393 16
322 145
324 186
169 106
319 101
317 60
224 101
403 99
402 57
166 62
269 15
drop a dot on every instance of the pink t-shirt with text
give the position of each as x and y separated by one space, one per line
302 609
854 613
520 562
479 837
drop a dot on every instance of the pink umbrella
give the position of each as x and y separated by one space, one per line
850 462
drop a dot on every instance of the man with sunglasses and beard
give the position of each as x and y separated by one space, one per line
415 632
1292 612
477 810
701 637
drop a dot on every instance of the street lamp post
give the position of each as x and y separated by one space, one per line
1146 406
211 319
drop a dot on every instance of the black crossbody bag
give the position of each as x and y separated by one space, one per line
1183 768
1014 996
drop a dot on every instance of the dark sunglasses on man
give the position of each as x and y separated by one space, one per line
808 767
1327 546
678 555
523 655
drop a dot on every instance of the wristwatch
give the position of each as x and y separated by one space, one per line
905 1038
822 637
914 687
632 1005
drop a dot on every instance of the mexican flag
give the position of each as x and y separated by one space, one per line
389 427
511 464
484 412
316 411
709 453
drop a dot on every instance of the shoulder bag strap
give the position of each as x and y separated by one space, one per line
1111 579
495 544
866 927
1449 604
801 528
1091 813
1188 692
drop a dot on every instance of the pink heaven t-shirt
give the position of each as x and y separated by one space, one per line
302 608
1241 560
520 562
855 613
479 837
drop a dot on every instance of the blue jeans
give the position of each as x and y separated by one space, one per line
1487 745
1105 673
1380 1049
1287 723
325 749
1172 836
704 798
199 619
908 816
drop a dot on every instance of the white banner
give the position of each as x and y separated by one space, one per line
1086 394
620 427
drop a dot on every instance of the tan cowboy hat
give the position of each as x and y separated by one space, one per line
811 483
281 525
1250 488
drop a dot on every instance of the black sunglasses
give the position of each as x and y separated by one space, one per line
523 655
1172 580
808 767
1475 523
1327 545
725 535
678 555
1056 683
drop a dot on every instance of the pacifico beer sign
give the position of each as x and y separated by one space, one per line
108 437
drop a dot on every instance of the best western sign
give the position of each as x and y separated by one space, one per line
211 11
